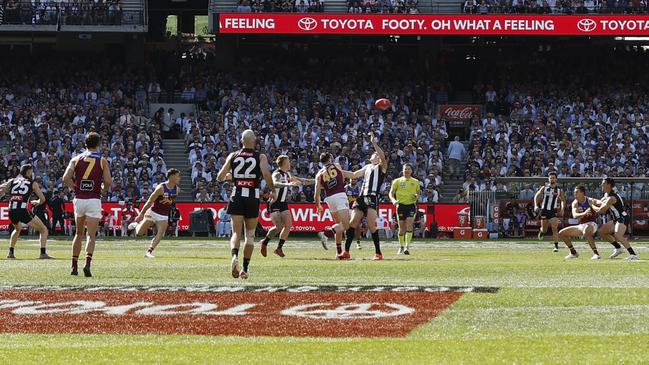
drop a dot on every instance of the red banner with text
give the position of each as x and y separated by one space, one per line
305 217
420 24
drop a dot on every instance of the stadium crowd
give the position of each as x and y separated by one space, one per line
280 6
303 122
531 126
383 6
555 6
586 129
78 12
45 115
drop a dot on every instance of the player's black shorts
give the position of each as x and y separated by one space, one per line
20 215
363 203
247 207
277 207
405 211
547 214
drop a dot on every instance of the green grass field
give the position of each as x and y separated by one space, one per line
547 311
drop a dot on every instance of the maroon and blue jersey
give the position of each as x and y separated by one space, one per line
162 204
88 176
332 179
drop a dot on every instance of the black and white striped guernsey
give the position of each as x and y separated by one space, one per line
372 180
246 173
282 193
617 210
20 190
551 197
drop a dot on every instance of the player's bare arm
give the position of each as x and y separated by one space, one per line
277 180
356 174
316 196
69 172
575 211
607 202
225 170
108 179
302 181
537 198
37 190
267 176
380 152
152 198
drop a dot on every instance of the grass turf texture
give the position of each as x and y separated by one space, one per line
547 311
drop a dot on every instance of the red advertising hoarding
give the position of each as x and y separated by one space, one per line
305 217
459 115
437 24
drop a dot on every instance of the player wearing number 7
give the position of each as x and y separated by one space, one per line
88 174
20 190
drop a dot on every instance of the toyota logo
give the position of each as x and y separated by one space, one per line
307 24
586 25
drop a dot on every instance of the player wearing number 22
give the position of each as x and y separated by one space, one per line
88 174
20 189
245 167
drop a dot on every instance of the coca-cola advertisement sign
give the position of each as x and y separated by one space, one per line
459 112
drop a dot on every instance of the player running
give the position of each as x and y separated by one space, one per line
20 189
331 179
549 196
582 209
156 210
88 174
278 209
353 191
613 230
404 194
368 202
246 167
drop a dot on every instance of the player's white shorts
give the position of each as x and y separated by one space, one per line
155 216
87 208
584 226
337 202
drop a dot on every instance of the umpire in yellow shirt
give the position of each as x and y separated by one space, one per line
404 194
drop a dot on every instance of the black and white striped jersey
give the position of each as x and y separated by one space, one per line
372 180
246 173
617 210
551 198
282 193
20 190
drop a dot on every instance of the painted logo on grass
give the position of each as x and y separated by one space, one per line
279 313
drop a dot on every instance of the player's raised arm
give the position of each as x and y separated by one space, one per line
108 179
69 172
380 152
263 160
152 198
225 170
37 190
